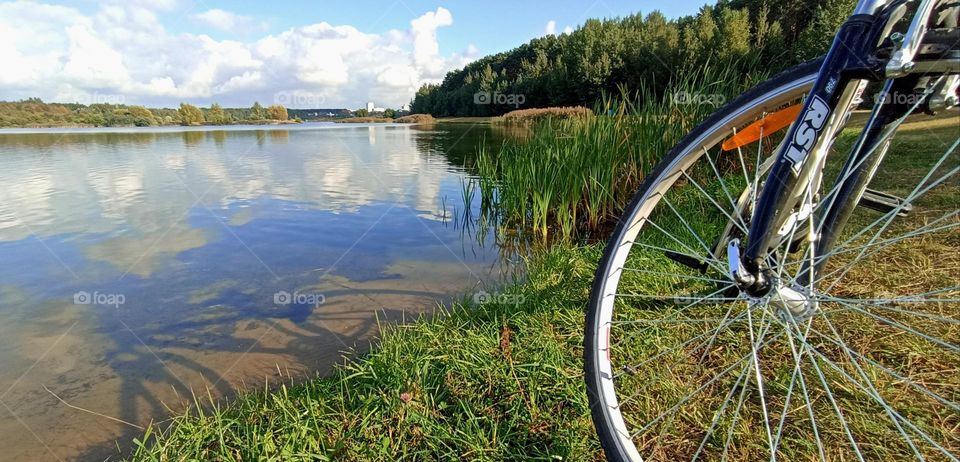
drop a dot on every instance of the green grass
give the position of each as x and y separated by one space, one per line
504 382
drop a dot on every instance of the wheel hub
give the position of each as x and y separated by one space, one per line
786 300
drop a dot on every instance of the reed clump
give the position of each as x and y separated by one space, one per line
574 175
415 119
364 120
533 115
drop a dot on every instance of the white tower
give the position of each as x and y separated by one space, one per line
370 106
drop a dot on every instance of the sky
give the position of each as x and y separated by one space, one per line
302 54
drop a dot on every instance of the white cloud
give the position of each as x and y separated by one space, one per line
426 49
551 28
124 49
224 20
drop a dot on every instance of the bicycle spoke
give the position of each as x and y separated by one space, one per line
715 204
723 407
866 390
886 223
833 401
902 327
759 378
678 275
699 390
723 186
661 354
854 364
886 407
798 374
886 243
897 377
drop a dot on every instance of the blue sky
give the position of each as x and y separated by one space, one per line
308 54
492 26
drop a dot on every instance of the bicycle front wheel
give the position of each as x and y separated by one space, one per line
680 366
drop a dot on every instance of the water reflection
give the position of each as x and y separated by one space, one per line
199 231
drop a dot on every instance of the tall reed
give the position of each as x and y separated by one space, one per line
573 176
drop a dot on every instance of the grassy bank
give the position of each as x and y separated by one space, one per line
483 382
407 119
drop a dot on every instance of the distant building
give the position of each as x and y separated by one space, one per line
370 106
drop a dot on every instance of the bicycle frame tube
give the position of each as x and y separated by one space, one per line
848 61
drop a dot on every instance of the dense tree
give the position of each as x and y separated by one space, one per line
35 113
637 52
257 112
827 18
142 117
216 116
190 115
277 112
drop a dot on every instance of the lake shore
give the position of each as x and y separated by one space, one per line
501 380
497 380
209 126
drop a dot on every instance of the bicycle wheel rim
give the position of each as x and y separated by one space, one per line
604 296
601 294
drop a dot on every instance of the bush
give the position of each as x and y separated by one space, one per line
537 114
363 120
415 119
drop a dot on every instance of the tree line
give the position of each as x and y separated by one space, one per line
33 112
637 52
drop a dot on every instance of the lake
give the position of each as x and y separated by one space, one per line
141 265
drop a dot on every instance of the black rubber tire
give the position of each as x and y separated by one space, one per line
605 429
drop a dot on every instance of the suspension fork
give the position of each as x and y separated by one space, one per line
861 165
826 108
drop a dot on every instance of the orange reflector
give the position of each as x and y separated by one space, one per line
772 123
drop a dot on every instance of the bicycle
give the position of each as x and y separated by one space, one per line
733 315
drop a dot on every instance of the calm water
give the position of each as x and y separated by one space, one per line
138 265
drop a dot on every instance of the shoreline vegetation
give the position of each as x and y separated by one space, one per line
570 178
528 116
34 113
489 381
407 119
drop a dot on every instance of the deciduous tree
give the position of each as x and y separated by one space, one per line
277 112
190 115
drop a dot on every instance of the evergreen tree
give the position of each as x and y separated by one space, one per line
257 112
